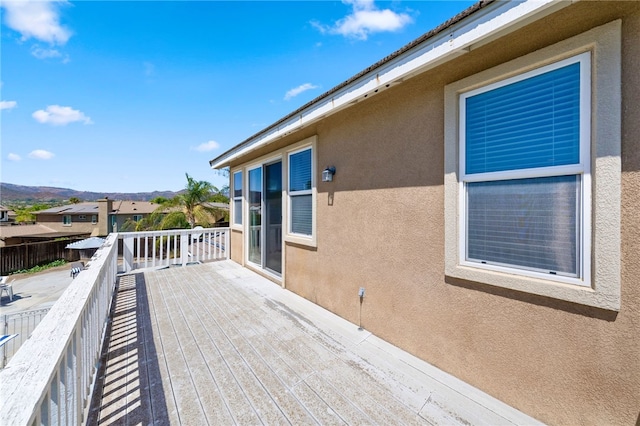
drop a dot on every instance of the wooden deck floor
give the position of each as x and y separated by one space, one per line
217 344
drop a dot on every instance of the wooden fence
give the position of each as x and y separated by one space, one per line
25 256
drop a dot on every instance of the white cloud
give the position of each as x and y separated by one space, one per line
13 157
60 116
36 19
41 154
43 53
297 90
207 146
8 104
364 20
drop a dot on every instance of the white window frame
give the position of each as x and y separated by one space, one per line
600 284
66 220
94 219
581 169
302 239
137 217
239 198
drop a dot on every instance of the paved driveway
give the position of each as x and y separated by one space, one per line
35 291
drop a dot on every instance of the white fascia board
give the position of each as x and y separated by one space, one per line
497 20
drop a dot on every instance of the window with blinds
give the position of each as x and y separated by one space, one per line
522 170
300 193
528 124
237 198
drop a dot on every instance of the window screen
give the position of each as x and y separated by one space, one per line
530 223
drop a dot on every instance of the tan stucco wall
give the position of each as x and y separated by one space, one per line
236 246
380 225
54 221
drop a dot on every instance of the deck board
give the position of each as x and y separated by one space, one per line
217 344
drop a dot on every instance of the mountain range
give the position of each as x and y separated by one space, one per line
11 193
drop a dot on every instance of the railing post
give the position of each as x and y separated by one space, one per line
127 252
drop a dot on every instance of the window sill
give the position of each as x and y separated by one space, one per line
583 295
299 240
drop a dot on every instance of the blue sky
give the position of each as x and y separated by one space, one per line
129 96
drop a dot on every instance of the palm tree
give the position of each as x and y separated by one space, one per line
194 201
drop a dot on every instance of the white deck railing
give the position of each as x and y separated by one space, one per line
50 378
175 247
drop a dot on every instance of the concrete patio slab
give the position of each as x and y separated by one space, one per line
36 291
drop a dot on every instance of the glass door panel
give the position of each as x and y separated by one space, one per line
255 215
273 217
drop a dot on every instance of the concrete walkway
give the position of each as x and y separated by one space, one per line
218 344
36 291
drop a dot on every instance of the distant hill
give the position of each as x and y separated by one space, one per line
11 193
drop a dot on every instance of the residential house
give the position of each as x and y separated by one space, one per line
81 217
135 211
5 214
481 185
95 218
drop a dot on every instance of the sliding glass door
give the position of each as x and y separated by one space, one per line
265 216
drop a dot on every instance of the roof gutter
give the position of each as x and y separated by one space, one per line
474 27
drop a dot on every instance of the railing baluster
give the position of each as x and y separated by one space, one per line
168 250
146 251
153 248
77 371
54 404
44 410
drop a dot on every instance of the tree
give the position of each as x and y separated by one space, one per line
194 200
74 200
160 200
27 214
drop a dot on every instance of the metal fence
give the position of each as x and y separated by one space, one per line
22 324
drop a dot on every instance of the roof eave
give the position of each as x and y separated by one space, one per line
483 22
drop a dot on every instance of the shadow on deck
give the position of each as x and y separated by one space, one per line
129 386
